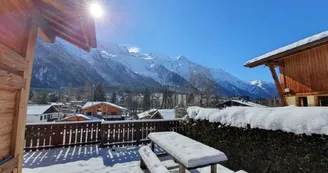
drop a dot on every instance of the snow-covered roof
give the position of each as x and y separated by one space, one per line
82 116
167 114
248 103
57 104
37 109
298 120
146 113
89 104
296 46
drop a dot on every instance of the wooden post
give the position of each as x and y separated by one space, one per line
213 168
182 169
279 88
17 146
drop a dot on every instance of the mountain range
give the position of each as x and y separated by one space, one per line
61 64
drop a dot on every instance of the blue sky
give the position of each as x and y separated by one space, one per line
215 33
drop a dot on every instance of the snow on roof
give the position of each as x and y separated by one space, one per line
146 113
167 114
37 109
57 104
82 116
292 46
89 104
298 120
248 103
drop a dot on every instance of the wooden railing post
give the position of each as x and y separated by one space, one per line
138 135
102 134
57 135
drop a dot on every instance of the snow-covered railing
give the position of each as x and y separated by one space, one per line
107 133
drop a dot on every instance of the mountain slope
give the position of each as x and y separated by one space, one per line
58 64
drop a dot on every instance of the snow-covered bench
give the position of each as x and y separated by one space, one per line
151 161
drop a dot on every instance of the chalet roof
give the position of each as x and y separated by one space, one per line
81 116
37 109
246 103
89 104
68 19
285 51
146 113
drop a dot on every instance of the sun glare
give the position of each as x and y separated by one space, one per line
96 10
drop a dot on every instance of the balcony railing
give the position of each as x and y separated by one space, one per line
106 133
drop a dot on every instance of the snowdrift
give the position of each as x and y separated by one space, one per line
298 120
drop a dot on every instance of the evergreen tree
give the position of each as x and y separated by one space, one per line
31 94
99 93
146 100
113 100
52 97
42 98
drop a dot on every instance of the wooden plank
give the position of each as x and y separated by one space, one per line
9 165
12 59
276 81
4 153
6 123
7 95
12 80
5 142
47 35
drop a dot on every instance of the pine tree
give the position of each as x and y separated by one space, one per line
146 100
99 93
113 100
52 97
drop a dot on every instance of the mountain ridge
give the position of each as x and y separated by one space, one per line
114 65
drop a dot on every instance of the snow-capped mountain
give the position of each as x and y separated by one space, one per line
57 64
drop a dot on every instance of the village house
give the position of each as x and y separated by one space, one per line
42 113
106 110
167 114
231 103
303 68
79 117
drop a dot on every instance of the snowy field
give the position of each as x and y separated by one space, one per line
92 159
298 120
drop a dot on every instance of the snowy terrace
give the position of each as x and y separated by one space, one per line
96 146
93 159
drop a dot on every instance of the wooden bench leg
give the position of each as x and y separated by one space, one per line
213 168
182 169
142 164
152 146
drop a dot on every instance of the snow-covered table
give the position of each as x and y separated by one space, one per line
189 153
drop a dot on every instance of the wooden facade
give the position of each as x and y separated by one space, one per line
21 22
306 72
303 68
104 108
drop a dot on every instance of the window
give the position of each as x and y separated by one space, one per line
41 118
302 101
323 101
45 117
113 113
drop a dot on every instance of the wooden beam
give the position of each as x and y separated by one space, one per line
72 40
17 146
279 88
47 35
15 63
9 165
11 80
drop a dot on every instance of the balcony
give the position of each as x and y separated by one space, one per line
94 146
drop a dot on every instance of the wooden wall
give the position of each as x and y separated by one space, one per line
104 108
306 71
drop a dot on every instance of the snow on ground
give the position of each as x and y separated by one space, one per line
92 159
167 114
299 120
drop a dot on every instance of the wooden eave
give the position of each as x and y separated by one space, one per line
277 58
66 19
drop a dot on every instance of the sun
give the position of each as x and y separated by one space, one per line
96 10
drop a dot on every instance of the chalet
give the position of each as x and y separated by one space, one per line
80 117
303 69
167 114
150 114
231 103
107 110
21 22
41 113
